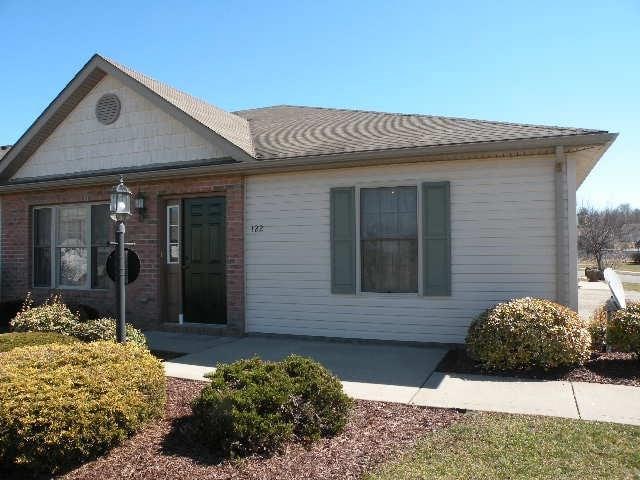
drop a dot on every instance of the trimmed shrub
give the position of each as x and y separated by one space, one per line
635 257
593 274
105 329
624 329
52 316
55 316
254 407
61 405
598 329
9 341
528 333
320 407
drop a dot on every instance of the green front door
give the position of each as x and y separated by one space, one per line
204 261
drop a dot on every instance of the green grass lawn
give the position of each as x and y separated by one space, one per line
498 446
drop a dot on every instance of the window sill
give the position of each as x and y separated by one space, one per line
73 289
394 295
388 294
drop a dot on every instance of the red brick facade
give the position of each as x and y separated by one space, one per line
144 296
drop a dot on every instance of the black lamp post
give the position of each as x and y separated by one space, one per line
120 210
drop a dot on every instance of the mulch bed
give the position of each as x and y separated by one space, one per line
375 432
616 368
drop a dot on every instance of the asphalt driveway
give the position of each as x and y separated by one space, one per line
592 295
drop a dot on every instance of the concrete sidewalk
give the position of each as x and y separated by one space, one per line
587 401
405 374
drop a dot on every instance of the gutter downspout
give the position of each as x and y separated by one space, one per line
562 212
572 231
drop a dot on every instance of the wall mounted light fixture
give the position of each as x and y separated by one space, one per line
139 202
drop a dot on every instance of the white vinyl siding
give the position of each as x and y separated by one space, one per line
503 246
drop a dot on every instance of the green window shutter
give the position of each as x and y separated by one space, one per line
343 240
436 239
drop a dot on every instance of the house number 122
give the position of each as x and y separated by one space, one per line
257 228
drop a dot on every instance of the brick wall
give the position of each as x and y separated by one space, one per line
144 296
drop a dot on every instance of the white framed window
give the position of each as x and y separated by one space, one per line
173 233
388 239
70 246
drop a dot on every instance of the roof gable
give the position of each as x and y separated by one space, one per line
231 127
142 136
211 122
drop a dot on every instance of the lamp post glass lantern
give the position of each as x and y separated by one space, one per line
120 207
120 210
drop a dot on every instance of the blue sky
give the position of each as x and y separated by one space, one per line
570 63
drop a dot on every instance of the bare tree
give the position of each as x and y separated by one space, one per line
597 231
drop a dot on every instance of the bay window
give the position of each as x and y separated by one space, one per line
70 246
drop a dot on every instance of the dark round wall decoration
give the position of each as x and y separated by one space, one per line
132 265
108 108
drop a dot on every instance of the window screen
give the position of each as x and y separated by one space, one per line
389 239
71 246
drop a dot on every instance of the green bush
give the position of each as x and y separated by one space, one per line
598 329
55 316
253 406
52 316
9 341
105 329
528 333
624 329
61 405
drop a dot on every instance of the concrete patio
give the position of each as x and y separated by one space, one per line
405 374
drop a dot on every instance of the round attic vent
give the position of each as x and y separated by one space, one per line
108 109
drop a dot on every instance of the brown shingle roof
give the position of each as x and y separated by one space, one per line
285 132
291 131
